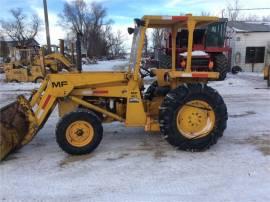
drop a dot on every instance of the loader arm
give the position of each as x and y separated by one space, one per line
62 59
21 120
62 85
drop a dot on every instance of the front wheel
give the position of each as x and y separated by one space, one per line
79 132
193 117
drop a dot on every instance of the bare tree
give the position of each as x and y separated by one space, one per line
205 13
157 37
89 19
74 16
20 28
97 30
232 10
252 18
266 18
145 47
117 45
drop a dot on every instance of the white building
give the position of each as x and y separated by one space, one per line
250 43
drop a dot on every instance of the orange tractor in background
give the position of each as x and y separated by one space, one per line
210 52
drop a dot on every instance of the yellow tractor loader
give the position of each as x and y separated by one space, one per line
188 113
56 62
24 70
33 70
22 73
266 74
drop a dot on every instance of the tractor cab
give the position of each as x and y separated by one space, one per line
215 34
209 48
205 37
173 24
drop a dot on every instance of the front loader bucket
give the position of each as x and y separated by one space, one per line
17 126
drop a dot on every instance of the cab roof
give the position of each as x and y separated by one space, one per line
159 21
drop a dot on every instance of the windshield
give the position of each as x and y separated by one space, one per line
215 36
134 48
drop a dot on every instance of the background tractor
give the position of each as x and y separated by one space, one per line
27 66
188 113
22 69
209 49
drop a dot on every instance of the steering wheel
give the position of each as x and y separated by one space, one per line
145 72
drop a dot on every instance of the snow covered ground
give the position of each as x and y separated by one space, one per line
132 165
117 65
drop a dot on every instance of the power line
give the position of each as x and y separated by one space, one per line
239 9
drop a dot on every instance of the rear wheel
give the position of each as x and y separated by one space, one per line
221 66
193 117
79 132
14 81
39 79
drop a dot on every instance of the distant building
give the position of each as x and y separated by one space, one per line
31 43
6 46
250 43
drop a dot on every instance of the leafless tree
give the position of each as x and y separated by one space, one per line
20 28
89 20
117 45
232 10
97 31
252 18
205 13
145 47
266 18
74 15
157 37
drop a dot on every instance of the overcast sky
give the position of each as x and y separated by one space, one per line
122 12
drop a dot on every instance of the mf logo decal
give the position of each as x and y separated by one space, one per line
134 98
59 84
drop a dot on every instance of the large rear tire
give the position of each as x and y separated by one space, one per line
39 79
193 117
79 132
221 65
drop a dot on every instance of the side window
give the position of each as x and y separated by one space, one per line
255 54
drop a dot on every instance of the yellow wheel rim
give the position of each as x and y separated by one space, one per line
79 133
195 119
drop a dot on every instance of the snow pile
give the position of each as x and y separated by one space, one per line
107 65
195 53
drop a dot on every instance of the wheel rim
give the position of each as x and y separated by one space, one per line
79 133
39 80
195 119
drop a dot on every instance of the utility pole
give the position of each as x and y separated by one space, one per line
47 26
